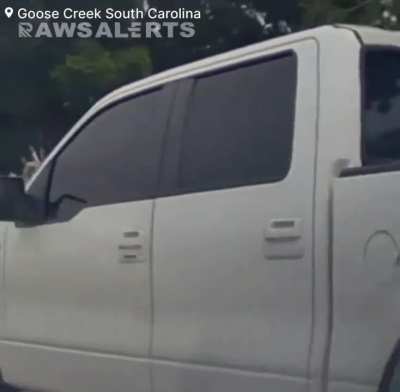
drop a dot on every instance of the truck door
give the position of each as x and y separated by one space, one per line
233 234
78 296
366 236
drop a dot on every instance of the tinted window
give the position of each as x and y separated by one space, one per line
395 384
115 158
391 376
382 107
239 127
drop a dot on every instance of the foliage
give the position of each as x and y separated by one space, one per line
94 70
379 13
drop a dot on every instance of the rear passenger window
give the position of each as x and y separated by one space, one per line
381 133
115 158
239 126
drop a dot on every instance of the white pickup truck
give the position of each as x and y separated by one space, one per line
232 225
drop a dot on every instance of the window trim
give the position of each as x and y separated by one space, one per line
172 146
370 170
247 63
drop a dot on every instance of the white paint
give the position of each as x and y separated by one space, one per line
366 276
65 287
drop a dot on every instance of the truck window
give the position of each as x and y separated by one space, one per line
381 117
115 158
239 126
391 376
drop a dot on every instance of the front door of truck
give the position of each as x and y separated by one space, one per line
78 287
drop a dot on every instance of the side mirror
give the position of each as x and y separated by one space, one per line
16 205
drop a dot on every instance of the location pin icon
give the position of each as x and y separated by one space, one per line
9 12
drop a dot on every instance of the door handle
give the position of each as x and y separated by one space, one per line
133 249
284 229
283 239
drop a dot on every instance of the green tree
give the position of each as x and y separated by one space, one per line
379 13
48 84
94 70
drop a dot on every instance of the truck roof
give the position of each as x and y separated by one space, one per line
367 35
372 35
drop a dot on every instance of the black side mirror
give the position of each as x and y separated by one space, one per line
16 205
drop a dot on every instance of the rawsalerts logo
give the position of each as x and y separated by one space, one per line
115 30
108 23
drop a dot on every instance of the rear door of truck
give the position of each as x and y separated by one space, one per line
233 240
366 234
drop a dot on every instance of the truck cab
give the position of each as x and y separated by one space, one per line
228 225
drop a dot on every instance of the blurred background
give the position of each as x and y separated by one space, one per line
47 84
